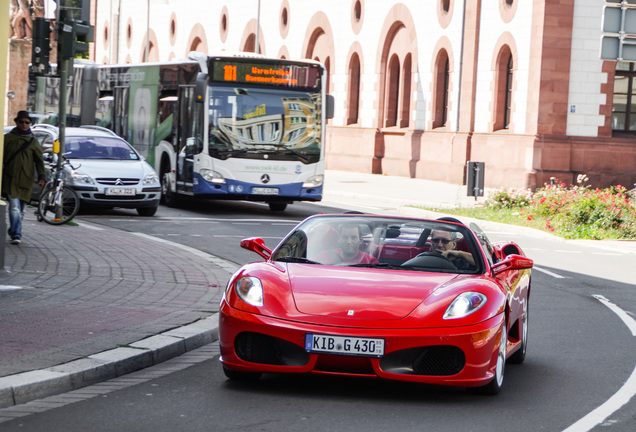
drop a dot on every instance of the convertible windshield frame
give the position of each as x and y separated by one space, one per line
389 243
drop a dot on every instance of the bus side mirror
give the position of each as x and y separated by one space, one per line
201 87
330 106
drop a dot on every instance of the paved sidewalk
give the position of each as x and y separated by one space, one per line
83 304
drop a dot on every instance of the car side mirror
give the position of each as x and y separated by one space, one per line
512 262
256 244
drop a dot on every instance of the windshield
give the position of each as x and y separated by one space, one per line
381 242
98 148
264 124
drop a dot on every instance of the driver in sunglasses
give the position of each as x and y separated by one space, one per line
445 243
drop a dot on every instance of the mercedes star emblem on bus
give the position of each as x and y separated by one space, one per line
265 178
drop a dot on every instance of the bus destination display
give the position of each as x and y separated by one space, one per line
285 75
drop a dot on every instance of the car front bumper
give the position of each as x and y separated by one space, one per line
454 356
146 197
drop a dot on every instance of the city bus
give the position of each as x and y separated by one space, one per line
236 127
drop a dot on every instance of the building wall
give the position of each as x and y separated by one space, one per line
561 98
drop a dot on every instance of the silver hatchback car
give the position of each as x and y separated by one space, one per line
108 172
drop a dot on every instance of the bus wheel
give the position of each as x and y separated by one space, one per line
168 197
277 206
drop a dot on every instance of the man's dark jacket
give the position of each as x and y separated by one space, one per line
18 176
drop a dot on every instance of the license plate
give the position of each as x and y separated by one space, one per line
265 191
344 345
120 191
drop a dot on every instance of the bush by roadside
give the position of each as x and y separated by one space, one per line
574 212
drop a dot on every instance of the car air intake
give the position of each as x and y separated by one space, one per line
260 348
439 360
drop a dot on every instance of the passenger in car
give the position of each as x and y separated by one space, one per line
349 251
445 243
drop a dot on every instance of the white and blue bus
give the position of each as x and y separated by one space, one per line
238 127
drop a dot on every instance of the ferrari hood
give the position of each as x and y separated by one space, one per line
361 293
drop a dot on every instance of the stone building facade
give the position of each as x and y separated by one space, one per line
422 87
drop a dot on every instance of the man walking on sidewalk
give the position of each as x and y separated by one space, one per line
22 152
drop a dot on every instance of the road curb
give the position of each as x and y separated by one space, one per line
28 386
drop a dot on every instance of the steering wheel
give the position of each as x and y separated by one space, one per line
430 260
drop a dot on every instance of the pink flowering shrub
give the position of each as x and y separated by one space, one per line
574 212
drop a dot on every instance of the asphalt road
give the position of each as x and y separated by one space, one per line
580 353
576 360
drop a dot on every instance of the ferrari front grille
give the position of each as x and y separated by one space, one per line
440 360
264 349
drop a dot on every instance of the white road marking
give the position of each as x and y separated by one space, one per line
629 321
623 395
549 273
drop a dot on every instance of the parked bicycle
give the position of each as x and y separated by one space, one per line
58 204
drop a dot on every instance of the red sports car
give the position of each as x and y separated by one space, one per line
429 301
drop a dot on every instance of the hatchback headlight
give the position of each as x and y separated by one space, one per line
212 176
314 181
465 304
250 290
79 178
151 179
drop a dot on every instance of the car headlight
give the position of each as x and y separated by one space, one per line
465 304
79 178
211 176
151 179
250 290
314 181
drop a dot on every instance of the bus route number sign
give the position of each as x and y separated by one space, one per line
270 74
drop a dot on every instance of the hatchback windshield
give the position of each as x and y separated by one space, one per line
98 148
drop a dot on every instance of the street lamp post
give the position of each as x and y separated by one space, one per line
257 49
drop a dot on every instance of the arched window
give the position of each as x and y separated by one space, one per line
393 87
504 80
354 89
406 92
442 79
508 103
250 43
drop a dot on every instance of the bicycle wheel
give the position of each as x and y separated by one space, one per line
48 207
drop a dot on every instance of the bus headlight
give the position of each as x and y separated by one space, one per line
212 176
314 181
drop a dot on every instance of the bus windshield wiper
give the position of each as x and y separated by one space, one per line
284 147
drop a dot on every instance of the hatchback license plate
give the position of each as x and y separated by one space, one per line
344 345
120 191
265 191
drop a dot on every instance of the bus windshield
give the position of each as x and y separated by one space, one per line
264 123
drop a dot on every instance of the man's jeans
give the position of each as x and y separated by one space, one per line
16 213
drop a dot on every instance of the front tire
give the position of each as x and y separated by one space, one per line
48 208
168 197
146 211
277 206
494 386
